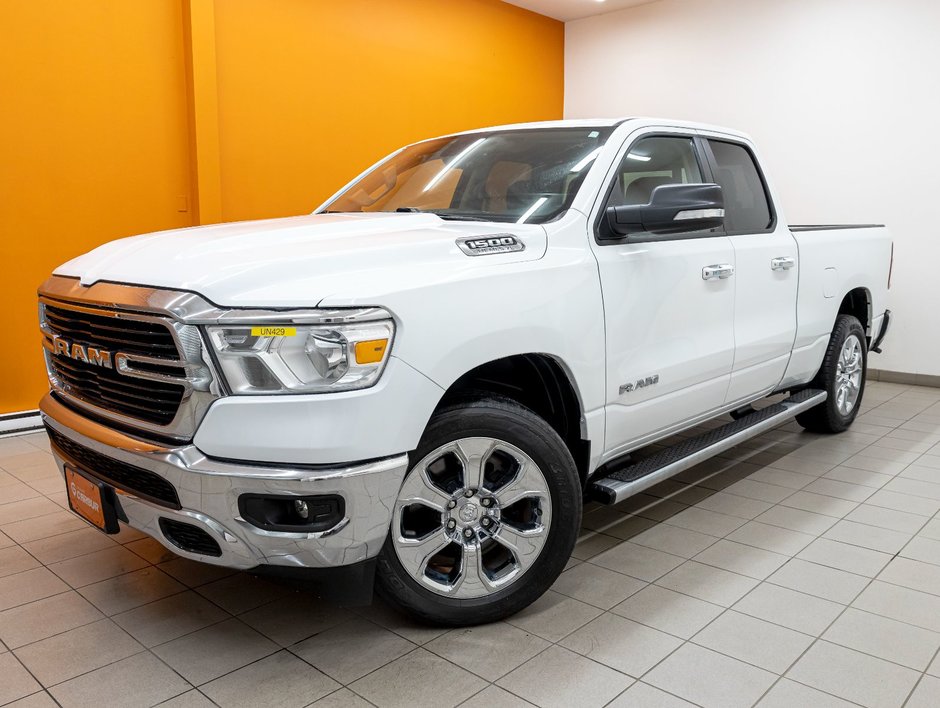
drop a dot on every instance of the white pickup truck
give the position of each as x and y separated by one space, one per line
421 381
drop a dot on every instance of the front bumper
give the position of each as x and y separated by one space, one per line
208 491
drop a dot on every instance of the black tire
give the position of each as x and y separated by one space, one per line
504 420
826 417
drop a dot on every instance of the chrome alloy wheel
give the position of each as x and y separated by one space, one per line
849 374
471 517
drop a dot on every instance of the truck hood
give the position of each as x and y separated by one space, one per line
302 261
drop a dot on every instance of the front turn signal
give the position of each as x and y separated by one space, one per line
371 351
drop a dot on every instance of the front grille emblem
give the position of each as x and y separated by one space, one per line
88 354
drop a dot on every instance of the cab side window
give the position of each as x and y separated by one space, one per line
650 163
747 209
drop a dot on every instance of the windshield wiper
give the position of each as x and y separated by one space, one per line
464 217
449 216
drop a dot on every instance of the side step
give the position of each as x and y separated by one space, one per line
627 481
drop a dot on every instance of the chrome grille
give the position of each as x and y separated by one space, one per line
148 344
125 335
150 401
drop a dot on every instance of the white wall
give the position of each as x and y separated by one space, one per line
841 96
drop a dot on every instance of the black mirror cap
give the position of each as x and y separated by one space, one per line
672 209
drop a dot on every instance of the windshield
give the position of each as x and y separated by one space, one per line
521 176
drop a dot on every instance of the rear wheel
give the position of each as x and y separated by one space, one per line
842 376
486 518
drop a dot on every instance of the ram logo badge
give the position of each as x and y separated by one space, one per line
642 383
486 245
90 355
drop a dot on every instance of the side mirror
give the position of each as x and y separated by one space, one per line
672 209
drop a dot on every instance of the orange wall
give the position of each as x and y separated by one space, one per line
311 93
93 146
98 131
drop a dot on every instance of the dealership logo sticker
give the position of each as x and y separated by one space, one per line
487 245
79 495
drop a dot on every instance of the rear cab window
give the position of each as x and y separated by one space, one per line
747 204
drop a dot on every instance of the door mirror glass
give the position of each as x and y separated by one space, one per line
672 209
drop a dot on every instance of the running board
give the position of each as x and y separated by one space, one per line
627 481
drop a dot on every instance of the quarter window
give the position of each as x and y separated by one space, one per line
747 209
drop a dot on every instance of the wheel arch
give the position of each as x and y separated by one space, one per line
858 303
542 383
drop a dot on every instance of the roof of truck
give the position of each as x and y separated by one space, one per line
607 123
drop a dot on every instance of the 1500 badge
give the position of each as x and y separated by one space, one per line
486 245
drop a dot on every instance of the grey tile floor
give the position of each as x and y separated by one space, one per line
797 570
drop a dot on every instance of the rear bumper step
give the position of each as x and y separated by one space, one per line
630 480
882 333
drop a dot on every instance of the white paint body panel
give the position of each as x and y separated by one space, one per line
291 429
663 319
607 314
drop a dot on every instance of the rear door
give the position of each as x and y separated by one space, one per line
767 270
670 331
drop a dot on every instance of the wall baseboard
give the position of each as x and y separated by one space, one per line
23 422
900 377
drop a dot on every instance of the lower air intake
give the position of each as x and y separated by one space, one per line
189 538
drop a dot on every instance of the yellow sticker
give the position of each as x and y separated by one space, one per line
273 331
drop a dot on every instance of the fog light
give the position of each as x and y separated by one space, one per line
280 512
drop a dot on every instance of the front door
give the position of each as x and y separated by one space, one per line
668 304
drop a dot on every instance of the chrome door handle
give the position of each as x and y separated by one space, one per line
719 271
782 263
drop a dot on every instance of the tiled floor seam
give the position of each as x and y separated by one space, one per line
550 646
698 705
145 649
653 667
477 693
717 540
921 677
165 701
32 675
783 674
278 648
805 592
290 649
417 647
182 678
33 695
50 636
816 638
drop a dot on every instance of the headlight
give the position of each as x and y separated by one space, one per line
301 358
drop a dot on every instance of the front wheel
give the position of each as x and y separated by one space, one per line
486 518
842 376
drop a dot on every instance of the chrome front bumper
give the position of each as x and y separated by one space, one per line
208 491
